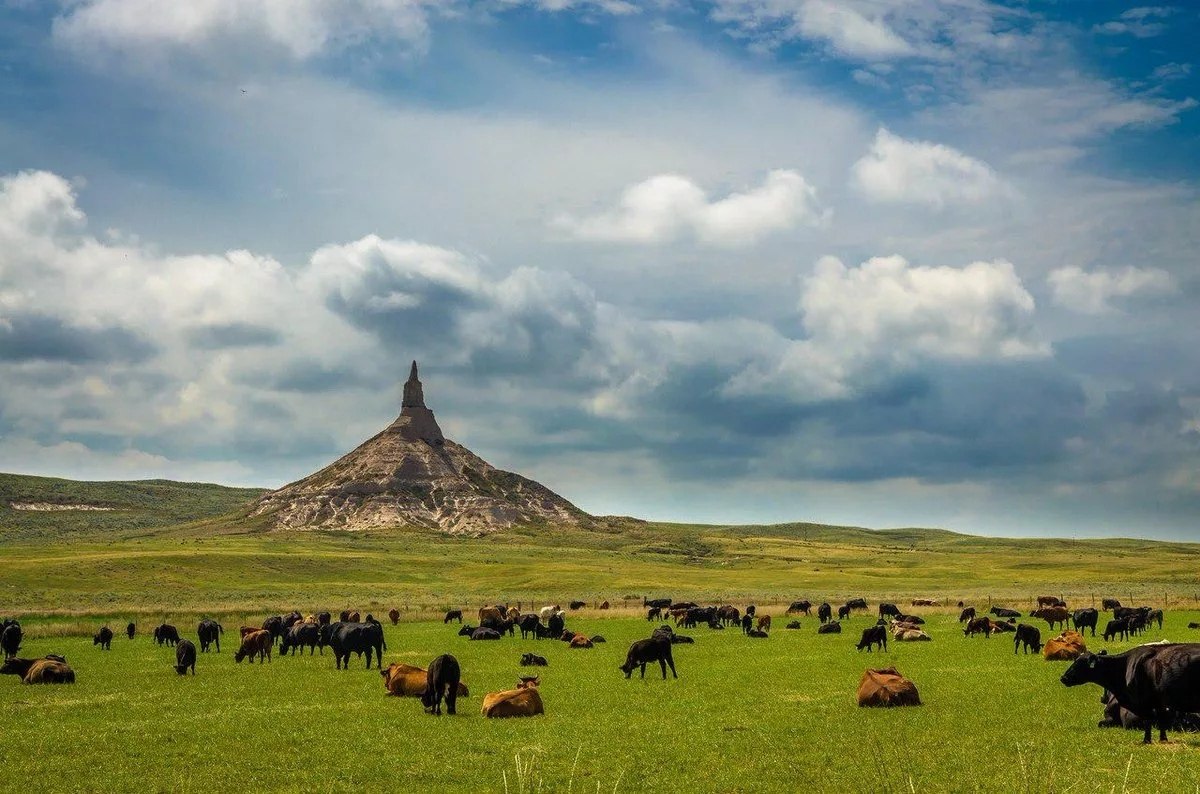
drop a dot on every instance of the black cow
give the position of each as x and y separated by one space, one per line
275 626
1152 681
359 638
916 620
1119 626
1155 615
185 657
663 632
533 660
661 603
485 634
757 634
166 634
576 605
10 639
795 624
857 603
875 635
467 630
209 632
799 606
1110 603
747 623
843 611
888 609
529 625
750 610
299 636
441 681
832 627
131 629
291 619
676 639
653 614
324 618
453 614
697 615
825 613
556 624
642 652
1030 636
1083 618
966 614
103 638
1002 612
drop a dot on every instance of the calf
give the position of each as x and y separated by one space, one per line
764 623
485 634
757 633
875 635
1119 626
394 616
653 614
103 638
1030 636
185 657
256 643
442 682
574 605
747 623
453 614
642 652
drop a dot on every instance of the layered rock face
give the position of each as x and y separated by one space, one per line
411 475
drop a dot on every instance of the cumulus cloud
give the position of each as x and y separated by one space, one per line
1143 22
897 170
1093 292
667 206
302 28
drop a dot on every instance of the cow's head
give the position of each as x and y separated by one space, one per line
1081 671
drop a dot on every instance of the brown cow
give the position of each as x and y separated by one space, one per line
394 616
513 614
492 613
978 626
1050 601
764 623
1052 614
924 602
49 671
258 642
580 641
405 680
887 688
524 701
244 630
604 605
1065 647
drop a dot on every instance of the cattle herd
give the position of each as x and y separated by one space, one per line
1154 683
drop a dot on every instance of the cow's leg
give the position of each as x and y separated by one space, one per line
644 671
451 699
671 662
1164 722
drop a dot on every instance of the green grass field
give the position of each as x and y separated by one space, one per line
744 715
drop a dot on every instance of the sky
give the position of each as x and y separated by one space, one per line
870 262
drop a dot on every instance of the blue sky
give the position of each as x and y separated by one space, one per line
873 262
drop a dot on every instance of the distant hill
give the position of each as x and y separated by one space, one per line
33 507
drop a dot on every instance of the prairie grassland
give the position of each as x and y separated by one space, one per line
744 715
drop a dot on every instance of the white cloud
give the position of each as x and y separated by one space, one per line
664 207
897 170
1143 22
302 28
1093 293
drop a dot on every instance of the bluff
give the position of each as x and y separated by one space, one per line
411 475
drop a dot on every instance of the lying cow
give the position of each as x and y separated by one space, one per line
533 660
886 688
524 701
966 614
833 627
911 635
46 670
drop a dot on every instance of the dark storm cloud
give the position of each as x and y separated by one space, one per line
232 335
35 337
310 376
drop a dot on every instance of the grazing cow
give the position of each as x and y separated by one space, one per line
257 643
1119 626
875 635
886 609
653 614
356 638
524 701
485 634
529 625
580 641
1152 681
166 634
795 624
103 638
1065 647
728 614
924 602
1030 636
453 614
299 636
833 627
131 629
533 660
442 681
764 623
799 606
1110 603
209 633
291 619
843 611
185 657
1084 618
394 615
1052 615
857 603
886 688
966 614
747 623
661 603
655 649
825 613
982 625
1050 601
576 605
1002 612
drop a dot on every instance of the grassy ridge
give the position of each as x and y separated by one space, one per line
744 715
